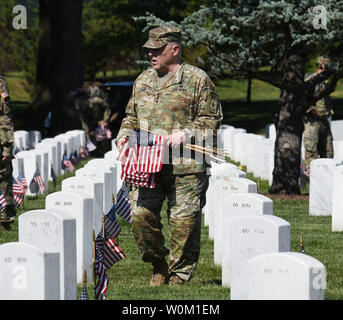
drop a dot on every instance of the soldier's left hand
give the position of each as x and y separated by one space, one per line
175 139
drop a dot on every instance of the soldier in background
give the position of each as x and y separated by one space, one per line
7 208
317 133
93 109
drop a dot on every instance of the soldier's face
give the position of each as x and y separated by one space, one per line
163 57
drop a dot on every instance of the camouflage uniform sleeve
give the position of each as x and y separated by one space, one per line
6 128
130 121
209 111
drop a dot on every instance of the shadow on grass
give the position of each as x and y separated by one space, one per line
255 116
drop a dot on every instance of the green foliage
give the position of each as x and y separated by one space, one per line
241 36
18 48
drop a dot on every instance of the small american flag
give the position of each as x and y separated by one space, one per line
22 181
66 163
107 252
37 184
141 157
112 226
3 203
18 193
84 294
123 206
101 273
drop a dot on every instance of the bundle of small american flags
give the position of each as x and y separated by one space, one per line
141 157
107 252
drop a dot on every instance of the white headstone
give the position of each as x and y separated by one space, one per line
252 149
82 135
28 273
66 146
34 138
221 135
24 142
285 276
94 189
337 199
238 205
337 129
321 180
81 208
223 170
112 156
18 166
31 160
51 149
225 187
249 237
53 231
234 141
101 175
108 165
338 151
44 166
59 153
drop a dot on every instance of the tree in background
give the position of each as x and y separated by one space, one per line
18 47
113 40
269 41
59 67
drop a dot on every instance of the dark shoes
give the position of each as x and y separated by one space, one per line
160 273
175 280
161 276
5 226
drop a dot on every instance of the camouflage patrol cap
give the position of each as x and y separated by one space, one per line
158 37
323 60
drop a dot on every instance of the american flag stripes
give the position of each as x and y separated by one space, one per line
22 181
37 184
18 193
66 163
107 252
141 157
123 206
3 203
101 273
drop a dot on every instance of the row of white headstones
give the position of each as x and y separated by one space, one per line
55 245
256 152
252 246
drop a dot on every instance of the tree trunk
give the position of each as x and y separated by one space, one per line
41 102
66 55
289 128
59 64
249 90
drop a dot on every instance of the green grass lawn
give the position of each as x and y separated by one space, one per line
129 278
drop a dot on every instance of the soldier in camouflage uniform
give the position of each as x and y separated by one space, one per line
317 132
93 109
7 213
176 100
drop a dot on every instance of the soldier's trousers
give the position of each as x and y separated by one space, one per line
317 140
186 198
8 212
